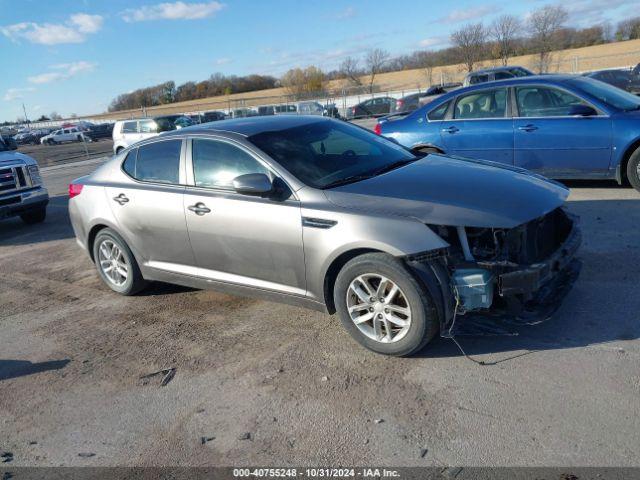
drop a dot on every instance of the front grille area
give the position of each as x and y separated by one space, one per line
13 178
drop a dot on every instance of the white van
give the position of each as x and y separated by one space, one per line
128 132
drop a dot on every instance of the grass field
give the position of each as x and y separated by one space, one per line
610 55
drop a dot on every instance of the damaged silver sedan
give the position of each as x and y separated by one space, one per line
323 214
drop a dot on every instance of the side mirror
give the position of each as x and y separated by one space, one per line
257 184
582 111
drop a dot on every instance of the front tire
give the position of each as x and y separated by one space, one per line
633 170
383 306
116 264
34 216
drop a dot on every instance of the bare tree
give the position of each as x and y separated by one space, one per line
300 83
375 60
504 30
469 42
543 24
349 68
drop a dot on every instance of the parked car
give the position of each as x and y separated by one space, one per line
22 192
327 215
373 107
99 132
624 79
495 73
310 108
128 132
62 136
24 138
213 116
561 126
331 110
408 103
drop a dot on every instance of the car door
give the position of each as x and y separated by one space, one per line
149 206
480 126
242 239
550 140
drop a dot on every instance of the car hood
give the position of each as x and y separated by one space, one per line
443 190
12 157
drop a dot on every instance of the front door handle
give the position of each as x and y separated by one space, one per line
199 208
450 130
121 199
528 128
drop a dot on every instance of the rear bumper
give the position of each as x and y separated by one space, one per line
17 203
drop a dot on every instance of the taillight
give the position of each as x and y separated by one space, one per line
75 189
377 129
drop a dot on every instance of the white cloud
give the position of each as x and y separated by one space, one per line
348 12
74 30
86 23
62 71
172 11
223 61
457 16
15 93
433 42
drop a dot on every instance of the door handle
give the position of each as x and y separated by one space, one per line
199 208
528 128
121 199
450 130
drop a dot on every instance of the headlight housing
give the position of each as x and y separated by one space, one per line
34 173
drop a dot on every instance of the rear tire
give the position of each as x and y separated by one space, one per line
633 170
34 216
116 264
417 326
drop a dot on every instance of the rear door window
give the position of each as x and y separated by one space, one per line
157 162
130 127
148 126
483 104
545 102
438 113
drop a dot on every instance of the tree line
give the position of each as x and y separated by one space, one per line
541 33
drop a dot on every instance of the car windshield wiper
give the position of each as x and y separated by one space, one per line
371 174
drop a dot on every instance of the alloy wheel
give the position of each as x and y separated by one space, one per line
113 263
379 308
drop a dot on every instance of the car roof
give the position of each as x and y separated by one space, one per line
248 126
496 69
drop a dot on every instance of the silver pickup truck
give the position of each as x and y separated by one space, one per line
21 190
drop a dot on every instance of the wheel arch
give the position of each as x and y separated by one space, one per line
91 237
334 268
423 146
624 160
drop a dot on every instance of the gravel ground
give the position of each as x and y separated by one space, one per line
269 384
48 155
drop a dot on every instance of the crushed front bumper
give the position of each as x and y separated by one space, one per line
527 279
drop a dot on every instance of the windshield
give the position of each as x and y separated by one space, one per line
324 154
3 146
606 93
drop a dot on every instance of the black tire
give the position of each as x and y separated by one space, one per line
134 282
51 142
424 317
34 216
79 138
633 169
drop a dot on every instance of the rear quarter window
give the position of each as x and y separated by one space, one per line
438 113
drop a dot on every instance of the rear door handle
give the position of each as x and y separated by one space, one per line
199 208
528 128
121 199
450 130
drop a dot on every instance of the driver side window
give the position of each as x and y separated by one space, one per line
545 102
217 163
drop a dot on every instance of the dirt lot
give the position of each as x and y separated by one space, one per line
48 155
272 384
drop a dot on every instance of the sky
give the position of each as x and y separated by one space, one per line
75 56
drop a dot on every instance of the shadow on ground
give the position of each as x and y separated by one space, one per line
20 368
57 226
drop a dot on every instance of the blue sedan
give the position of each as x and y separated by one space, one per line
561 126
